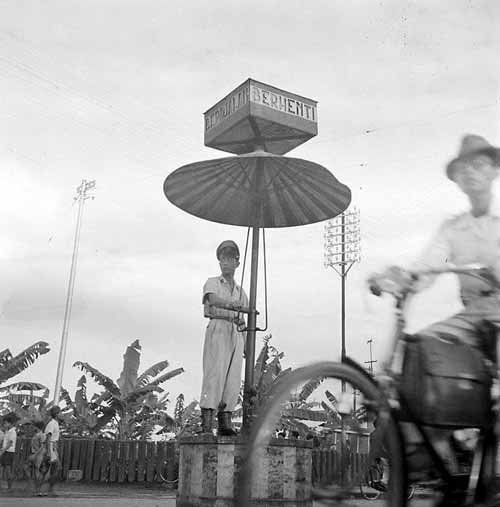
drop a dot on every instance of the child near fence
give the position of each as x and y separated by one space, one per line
37 463
8 450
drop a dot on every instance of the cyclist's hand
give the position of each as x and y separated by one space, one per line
394 280
374 285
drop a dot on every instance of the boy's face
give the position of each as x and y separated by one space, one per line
228 263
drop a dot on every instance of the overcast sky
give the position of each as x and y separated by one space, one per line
115 90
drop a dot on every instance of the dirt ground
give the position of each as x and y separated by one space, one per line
77 494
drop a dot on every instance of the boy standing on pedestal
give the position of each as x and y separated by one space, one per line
224 302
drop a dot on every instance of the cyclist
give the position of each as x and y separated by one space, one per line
471 237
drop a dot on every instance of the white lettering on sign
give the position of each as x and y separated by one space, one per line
283 103
226 108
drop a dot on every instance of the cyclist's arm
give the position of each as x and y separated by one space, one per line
437 254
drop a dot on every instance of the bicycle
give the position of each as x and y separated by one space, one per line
382 398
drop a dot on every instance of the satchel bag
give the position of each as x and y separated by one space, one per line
445 383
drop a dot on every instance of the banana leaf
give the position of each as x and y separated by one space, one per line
150 373
332 412
65 396
99 377
331 398
305 414
309 387
15 365
166 376
262 359
128 376
5 356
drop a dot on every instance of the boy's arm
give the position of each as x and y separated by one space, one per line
47 441
214 300
7 441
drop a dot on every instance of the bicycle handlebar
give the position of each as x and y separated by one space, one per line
379 284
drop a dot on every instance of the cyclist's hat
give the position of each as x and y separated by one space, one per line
471 146
230 245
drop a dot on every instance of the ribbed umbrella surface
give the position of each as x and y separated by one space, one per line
258 189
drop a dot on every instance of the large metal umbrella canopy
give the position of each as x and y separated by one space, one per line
257 190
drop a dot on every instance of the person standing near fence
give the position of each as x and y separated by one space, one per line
34 467
8 450
52 441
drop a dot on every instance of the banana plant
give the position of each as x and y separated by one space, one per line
82 417
128 396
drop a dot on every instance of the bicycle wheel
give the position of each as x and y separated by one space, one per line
339 485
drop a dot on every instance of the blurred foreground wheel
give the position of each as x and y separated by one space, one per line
350 401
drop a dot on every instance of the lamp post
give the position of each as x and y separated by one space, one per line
81 197
342 250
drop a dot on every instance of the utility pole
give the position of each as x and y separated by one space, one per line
342 250
81 197
371 361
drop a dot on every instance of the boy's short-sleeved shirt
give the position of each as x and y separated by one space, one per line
52 428
9 440
219 286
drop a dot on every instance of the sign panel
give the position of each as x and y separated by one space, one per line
259 115
283 103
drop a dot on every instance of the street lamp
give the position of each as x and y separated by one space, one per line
81 197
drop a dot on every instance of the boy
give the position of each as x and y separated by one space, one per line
223 301
52 441
8 450
36 466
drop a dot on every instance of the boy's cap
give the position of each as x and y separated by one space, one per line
228 243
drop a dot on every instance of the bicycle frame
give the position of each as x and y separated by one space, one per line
392 370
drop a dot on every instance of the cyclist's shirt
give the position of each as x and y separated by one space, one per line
464 239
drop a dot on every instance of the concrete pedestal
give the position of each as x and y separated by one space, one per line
209 468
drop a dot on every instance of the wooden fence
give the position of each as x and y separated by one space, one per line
110 460
327 466
121 461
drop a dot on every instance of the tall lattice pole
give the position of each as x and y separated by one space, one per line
342 250
81 197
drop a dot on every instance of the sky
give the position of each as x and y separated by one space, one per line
114 91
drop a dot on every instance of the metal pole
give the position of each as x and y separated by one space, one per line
82 196
342 278
251 330
342 353
371 361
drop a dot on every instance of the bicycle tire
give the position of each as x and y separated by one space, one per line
261 430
